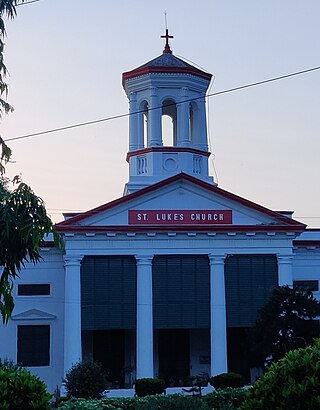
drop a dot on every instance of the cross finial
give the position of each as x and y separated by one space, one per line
167 49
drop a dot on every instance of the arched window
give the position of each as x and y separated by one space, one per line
169 123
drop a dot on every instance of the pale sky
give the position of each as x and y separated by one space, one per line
66 58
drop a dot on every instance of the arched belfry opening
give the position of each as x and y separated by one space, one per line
144 118
169 123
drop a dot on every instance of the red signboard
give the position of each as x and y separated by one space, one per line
180 217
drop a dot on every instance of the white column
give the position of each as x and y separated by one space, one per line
202 139
218 331
133 124
183 114
72 316
144 317
154 120
285 270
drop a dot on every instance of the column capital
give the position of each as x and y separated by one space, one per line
153 91
144 259
72 260
184 92
284 258
217 259
133 96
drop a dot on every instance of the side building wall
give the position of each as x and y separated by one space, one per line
34 335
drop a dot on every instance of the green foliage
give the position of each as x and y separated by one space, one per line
83 404
148 387
223 380
292 383
23 218
225 399
85 380
19 389
23 225
284 323
156 402
9 364
7 9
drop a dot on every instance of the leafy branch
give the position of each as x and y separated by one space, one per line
23 218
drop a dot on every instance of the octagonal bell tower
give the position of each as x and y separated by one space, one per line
169 86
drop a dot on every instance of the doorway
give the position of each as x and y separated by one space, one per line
174 355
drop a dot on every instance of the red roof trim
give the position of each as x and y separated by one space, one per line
70 223
180 228
166 149
305 243
166 70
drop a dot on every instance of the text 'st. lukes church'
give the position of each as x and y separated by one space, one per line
166 280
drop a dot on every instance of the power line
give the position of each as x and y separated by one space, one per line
114 117
27 2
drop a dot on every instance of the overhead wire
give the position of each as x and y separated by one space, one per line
114 117
27 2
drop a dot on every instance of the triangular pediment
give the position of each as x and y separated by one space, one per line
33 314
176 202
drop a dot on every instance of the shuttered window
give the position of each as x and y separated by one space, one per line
312 285
34 289
33 345
249 281
181 291
108 292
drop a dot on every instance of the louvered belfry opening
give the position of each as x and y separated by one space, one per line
249 281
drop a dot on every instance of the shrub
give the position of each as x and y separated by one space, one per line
19 389
224 380
225 399
148 387
156 402
292 383
85 380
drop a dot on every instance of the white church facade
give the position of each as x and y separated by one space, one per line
166 280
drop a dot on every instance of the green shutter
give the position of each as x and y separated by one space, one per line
181 292
108 292
249 281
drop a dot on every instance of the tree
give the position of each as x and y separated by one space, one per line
23 218
285 323
292 383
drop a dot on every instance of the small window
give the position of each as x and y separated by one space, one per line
312 285
33 345
34 290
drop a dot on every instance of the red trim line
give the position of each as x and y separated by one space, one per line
166 70
180 228
70 223
166 149
305 243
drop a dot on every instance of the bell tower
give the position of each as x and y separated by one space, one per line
166 86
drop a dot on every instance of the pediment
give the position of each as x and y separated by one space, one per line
33 314
179 201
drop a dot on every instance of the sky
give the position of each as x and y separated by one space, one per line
66 59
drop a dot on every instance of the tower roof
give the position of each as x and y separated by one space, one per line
166 63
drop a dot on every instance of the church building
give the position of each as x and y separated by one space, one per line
166 280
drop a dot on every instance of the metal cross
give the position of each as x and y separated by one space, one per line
167 46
